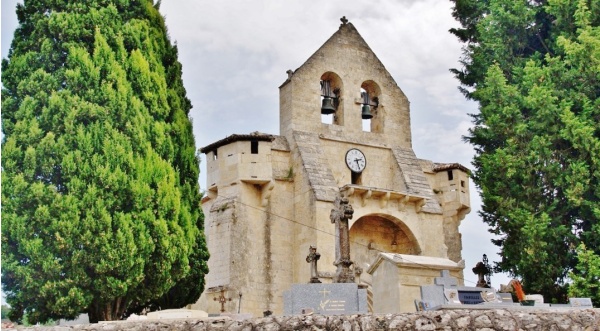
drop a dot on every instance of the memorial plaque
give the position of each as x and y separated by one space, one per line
470 298
452 297
325 299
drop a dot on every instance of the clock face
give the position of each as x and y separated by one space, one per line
356 160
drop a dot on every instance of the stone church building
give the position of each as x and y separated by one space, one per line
344 130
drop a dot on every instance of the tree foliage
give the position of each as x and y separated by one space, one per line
5 310
534 68
586 281
100 196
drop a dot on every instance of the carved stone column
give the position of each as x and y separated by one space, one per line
340 214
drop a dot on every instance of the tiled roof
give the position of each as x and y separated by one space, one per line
237 137
449 166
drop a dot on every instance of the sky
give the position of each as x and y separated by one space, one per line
235 55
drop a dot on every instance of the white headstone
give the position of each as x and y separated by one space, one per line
538 298
581 302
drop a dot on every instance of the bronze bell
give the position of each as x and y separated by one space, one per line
327 106
366 112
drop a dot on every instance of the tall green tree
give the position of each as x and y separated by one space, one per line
534 68
586 281
100 196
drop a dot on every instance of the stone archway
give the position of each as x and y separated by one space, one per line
376 233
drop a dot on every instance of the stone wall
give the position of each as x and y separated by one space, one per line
549 319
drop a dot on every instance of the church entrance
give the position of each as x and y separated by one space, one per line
376 233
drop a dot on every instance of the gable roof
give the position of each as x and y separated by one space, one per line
346 33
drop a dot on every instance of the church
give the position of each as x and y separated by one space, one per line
344 132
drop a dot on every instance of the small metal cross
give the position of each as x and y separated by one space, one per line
344 20
222 299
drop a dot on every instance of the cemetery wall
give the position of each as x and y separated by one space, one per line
549 319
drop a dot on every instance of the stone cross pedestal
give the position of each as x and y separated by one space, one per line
340 215
312 258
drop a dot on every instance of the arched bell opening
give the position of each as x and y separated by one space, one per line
372 234
332 109
371 109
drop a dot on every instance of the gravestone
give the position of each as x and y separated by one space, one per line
325 299
581 302
444 286
343 297
538 300
506 297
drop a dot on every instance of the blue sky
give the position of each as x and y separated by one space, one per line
235 54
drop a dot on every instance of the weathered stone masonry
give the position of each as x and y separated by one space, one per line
572 320
269 197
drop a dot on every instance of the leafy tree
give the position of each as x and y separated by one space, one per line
100 196
586 282
5 311
534 68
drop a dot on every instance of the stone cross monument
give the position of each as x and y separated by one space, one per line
312 258
340 215
482 270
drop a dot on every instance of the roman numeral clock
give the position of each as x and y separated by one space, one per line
356 160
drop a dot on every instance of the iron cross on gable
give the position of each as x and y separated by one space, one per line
344 20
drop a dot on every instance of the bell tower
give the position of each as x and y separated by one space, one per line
366 85
269 197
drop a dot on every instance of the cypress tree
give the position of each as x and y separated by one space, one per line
100 196
534 67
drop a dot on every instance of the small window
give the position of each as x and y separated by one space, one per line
254 147
450 175
356 178
462 183
215 154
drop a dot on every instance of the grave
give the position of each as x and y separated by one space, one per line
447 294
538 300
398 278
343 297
446 291
325 299
581 302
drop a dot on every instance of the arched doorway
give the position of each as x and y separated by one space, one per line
374 233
